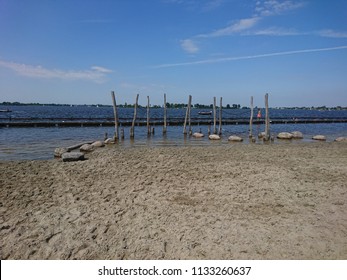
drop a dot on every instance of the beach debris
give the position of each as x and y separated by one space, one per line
72 156
214 137
284 135
341 139
58 152
319 137
297 135
86 148
235 138
98 144
198 134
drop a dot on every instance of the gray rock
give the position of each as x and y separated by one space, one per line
98 144
235 138
72 156
297 135
261 135
319 137
109 141
341 139
86 148
198 135
59 151
284 135
214 137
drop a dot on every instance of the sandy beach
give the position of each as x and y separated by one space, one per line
243 201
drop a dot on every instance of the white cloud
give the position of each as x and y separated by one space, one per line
189 46
244 26
275 7
274 31
101 69
95 74
332 34
225 59
240 25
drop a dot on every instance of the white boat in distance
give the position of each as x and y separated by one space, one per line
205 113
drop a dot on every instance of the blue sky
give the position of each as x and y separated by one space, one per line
78 51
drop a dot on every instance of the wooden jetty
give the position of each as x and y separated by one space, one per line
155 122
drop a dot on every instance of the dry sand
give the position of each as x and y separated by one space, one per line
279 201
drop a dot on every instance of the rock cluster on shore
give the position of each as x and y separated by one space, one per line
290 135
67 155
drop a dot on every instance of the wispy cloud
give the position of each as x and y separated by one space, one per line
241 26
189 46
95 73
235 27
274 31
275 7
332 33
226 59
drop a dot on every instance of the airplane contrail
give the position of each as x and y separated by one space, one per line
224 59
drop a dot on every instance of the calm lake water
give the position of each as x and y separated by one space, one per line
39 143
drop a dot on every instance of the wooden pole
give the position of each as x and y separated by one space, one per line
189 120
185 119
251 119
148 126
214 116
267 118
220 116
165 113
134 119
116 133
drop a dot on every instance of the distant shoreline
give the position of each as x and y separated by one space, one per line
173 106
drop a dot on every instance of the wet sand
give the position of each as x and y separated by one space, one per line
278 201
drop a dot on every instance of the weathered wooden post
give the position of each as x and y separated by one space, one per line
251 119
116 133
148 125
134 119
189 114
186 118
267 118
214 116
164 127
220 117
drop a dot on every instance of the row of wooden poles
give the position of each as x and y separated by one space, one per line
187 118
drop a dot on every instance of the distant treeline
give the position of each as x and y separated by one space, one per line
126 105
48 104
172 105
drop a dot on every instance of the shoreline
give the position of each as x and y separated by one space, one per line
218 202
